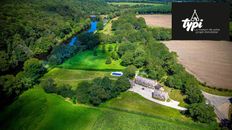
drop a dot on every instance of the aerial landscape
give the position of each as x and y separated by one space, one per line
109 64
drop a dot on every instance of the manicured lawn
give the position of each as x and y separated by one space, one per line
134 102
87 61
176 94
36 110
72 76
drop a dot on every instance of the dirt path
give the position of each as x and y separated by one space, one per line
209 61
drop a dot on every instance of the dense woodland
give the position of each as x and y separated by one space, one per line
31 28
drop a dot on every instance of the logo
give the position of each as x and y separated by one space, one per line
194 22
200 21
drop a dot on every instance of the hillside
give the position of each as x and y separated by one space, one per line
37 110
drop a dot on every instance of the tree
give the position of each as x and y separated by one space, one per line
100 25
127 58
95 52
129 71
114 55
33 68
49 85
65 90
108 60
122 84
202 112
194 94
103 48
110 48
9 85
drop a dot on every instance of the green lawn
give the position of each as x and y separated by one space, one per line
36 110
87 61
134 102
176 94
72 76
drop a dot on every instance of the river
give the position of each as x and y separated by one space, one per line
93 28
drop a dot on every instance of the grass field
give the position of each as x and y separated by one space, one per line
72 76
84 66
134 102
36 110
87 61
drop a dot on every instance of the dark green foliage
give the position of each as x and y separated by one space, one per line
61 52
122 84
110 48
95 52
103 48
89 40
161 33
108 60
202 112
101 89
194 94
10 85
33 27
65 90
129 71
100 25
127 58
49 85
114 55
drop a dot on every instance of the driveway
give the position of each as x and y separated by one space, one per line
147 93
221 104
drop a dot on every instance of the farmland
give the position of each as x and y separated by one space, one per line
158 20
209 61
39 110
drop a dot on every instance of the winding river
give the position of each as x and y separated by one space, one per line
93 28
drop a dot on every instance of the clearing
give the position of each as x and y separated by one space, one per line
87 61
158 20
208 61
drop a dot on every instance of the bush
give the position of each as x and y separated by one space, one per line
65 91
114 55
49 85
202 112
110 48
101 89
129 71
108 60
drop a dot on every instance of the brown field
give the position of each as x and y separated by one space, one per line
158 20
208 61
